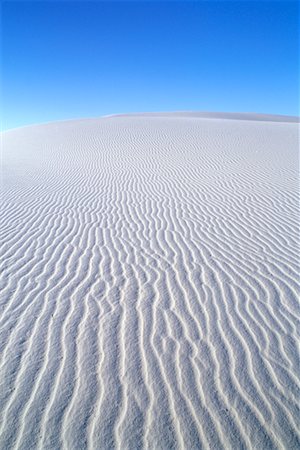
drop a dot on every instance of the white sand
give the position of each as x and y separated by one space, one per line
149 284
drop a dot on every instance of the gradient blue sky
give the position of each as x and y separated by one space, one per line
64 60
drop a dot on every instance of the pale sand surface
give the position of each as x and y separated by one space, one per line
149 283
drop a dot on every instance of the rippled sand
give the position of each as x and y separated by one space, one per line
150 283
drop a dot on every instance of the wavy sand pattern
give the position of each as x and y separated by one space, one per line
150 283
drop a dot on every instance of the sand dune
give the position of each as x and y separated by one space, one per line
214 115
150 283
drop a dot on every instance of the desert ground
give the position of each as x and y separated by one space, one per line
150 283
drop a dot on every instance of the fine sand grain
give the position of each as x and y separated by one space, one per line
149 283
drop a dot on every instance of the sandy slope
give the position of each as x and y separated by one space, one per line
149 284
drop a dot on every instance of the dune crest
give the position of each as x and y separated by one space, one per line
150 284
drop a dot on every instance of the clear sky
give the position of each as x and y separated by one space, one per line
63 60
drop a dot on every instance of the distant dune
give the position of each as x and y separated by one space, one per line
216 115
150 283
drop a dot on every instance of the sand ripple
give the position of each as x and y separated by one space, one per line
150 285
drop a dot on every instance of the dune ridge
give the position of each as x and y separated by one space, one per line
214 115
150 284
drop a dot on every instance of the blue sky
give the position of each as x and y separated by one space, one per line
63 60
